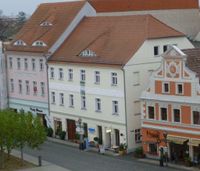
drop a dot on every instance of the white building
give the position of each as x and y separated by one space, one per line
99 72
3 85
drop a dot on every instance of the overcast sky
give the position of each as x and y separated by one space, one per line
12 7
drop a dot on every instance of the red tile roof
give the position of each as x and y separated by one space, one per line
141 5
114 39
59 14
193 59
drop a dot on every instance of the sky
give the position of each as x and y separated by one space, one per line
12 7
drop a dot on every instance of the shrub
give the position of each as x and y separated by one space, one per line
96 139
139 152
49 132
62 135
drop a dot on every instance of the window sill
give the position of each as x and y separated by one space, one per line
70 80
115 114
83 109
114 85
71 106
98 111
97 83
62 105
136 84
53 103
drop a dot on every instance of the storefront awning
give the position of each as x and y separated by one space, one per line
194 142
176 139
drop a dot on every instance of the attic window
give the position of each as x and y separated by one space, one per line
39 43
87 53
46 23
20 43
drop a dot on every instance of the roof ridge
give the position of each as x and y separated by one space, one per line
59 3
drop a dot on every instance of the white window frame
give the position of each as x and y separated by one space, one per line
12 87
18 63
35 87
173 115
61 96
61 74
97 105
161 114
115 107
25 64
177 93
52 73
71 100
114 78
163 87
33 64
42 87
27 87
20 86
53 97
136 78
97 77
83 102
10 62
82 75
41 65
148 112
70 74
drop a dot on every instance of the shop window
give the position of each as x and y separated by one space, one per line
153 148
196 117
163 114
151 112
176 115
137 135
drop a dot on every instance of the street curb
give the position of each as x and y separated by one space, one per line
54 140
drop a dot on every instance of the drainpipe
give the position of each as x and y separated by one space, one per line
46 57
126 118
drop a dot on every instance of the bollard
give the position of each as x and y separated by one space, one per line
39 160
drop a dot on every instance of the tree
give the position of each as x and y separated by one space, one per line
2 138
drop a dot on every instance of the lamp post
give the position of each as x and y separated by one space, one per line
166 148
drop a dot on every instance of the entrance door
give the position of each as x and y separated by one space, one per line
42 119
117 139
71 128
100 134
85 129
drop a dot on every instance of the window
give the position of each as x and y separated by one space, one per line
27 87
71 100
87 53
179 88
114 78
136 78
20 43
18 63
46 23
26 64
156 50
196 117
34 88
137 136
53 98
176 115
33 64
83 102
70 74
39 43
165 87
52 73
151 112
165 47
115 107
82 75
42 88
97 77
41 65
163 114
10 63
61 99
20 86
153 148
61 74
12 85
97 105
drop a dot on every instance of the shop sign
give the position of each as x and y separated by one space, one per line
91 130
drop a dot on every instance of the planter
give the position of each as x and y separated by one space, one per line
121 152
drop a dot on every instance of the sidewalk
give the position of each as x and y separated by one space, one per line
46 166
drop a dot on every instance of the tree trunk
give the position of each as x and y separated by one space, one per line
22 155
2 158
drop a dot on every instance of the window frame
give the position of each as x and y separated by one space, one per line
61 73
71 100
158 50
177 88
161 114
153 112
115 105
70 74
163 87
97 77
114 78
98 105
27 82
174 115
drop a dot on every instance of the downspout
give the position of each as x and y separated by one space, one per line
126 118
47 67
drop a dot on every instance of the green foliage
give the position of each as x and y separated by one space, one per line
139 152
122 147
96 139
19 130
62 135
49 132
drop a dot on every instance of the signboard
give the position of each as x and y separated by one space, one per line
91 130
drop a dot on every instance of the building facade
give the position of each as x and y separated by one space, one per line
27 54
171 107
97 76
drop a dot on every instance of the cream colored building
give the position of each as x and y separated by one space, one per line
99 72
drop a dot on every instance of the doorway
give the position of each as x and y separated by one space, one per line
71 129
100 135
117 138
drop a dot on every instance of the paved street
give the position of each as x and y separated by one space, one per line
75 160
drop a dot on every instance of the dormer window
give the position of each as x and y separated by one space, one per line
46 23
20 43
39 43
87 53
